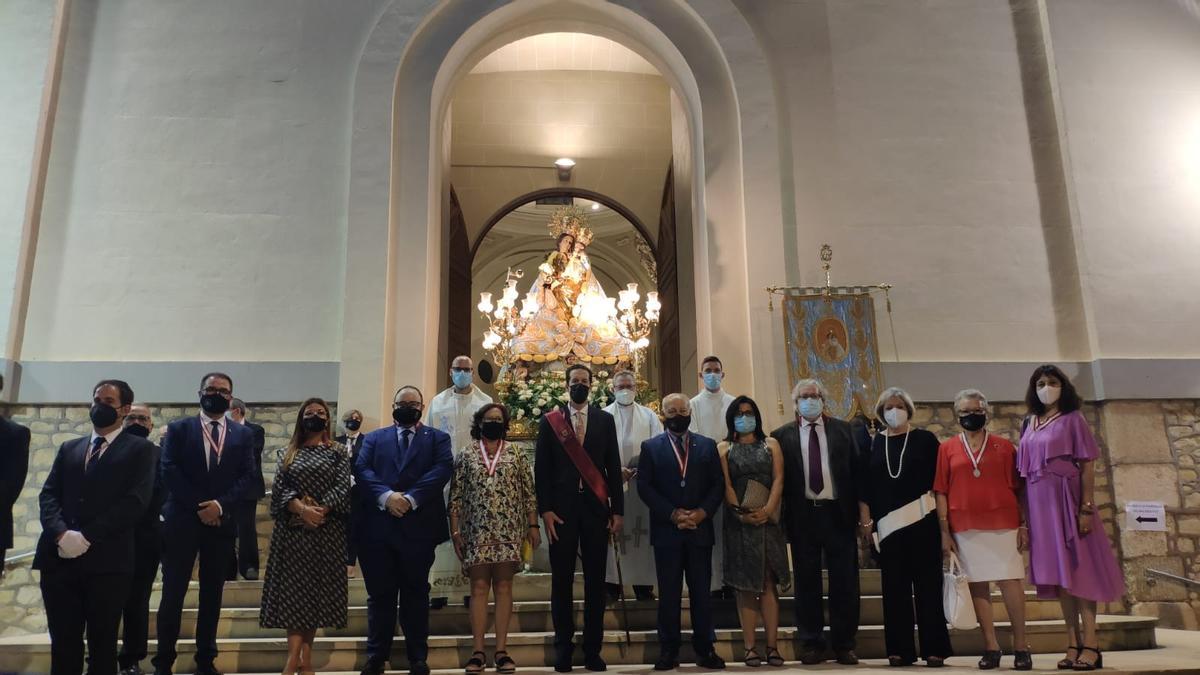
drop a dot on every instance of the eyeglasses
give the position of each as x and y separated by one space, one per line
227 393
138 418
406 404
461 370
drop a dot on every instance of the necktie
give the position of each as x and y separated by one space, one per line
214 457
580 425
92 454
406 438
816 479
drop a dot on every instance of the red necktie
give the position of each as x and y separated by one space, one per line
816 478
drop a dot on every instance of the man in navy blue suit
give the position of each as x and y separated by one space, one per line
207 464
679 478
401 471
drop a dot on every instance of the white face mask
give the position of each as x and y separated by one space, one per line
1049 394
625 396
895 417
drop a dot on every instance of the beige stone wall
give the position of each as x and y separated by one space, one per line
50 426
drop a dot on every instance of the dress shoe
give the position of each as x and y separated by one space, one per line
667 661
438 603
135 669
811 656
372 669
562 664
847 658
595 664
711 661
418 668
209 669
250 574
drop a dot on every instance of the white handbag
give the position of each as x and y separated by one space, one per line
956 597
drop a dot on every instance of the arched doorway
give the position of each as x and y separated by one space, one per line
409 65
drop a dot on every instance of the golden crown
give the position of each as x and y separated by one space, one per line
571 220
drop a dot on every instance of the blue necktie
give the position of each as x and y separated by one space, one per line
406 439
93 454
213 458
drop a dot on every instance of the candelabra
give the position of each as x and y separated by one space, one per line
634 324
505 323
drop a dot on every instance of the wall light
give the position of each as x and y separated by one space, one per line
564 166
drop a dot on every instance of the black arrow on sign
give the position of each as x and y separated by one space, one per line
1143 519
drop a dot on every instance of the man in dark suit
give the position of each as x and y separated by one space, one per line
14 464
245 515
147 550
207 467
97 490
577 477
820 498
401 471
679 478
353 440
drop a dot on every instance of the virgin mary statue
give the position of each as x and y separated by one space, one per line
569 313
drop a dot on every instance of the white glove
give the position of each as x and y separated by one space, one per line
72 545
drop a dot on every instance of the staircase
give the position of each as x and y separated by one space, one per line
247 648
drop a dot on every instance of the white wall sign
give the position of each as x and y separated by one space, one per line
1148 516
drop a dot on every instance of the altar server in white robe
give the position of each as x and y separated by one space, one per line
635 423
452 411
708 419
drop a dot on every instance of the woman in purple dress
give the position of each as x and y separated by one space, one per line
1070 556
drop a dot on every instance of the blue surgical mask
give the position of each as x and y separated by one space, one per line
810 408
461 378
712 381
744 424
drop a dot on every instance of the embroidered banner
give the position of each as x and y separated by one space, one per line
832 338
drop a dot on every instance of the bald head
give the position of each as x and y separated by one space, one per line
676 404
462 362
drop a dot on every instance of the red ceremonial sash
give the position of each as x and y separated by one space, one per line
583 463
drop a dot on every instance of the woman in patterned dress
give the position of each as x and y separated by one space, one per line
305 584
755 550
493 514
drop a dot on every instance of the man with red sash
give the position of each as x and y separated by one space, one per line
577 475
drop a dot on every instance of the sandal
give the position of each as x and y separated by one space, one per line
504 663
1023 660
1080 664
752 658
990 660
1068 663
475 664
773 657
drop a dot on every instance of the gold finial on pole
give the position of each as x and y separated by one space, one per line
826 264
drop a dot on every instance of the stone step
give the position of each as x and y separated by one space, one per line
32 653
534 617
527 586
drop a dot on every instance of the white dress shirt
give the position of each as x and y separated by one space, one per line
206 423
827 492
108 439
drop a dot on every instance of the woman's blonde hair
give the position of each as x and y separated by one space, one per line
298 432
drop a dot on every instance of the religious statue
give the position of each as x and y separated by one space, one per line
570 315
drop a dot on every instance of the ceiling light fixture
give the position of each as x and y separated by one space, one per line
564 166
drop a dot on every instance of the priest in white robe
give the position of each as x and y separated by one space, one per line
635 423
708 419
452 411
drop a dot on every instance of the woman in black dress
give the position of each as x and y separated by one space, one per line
305 585
900 471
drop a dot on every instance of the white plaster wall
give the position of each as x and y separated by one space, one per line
910 154
24 49
196 203
1129 77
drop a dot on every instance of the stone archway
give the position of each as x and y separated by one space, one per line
396 193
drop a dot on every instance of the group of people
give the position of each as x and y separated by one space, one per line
725 499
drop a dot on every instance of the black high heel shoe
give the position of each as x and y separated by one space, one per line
990 660
1068 663
1023 660
1084 665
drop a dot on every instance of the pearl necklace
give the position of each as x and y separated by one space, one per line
887 458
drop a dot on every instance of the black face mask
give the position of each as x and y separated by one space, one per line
137 430
678 424
353 425
580 393
314 424
972 422
406 417
103 415
214 404
493 431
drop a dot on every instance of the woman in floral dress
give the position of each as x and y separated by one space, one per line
493 514
305 585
